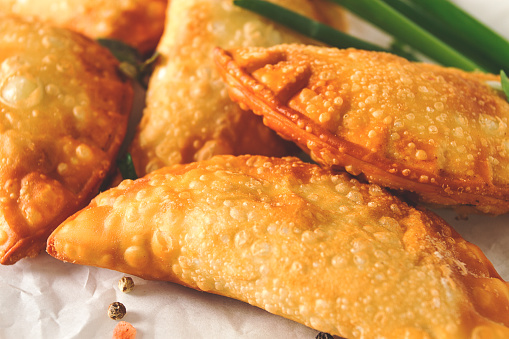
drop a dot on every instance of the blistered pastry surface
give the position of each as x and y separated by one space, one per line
437 131
324 250
63 115
189 115
138 23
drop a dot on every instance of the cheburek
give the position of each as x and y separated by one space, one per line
188 115
298 241
438 132
138 23
63 116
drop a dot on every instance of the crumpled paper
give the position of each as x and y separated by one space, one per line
44 298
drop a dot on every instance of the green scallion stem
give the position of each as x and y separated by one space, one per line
505 83
126 167
441 29
306 26
120 50
403 29
463 25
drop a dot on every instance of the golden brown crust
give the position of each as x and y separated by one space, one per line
64 112
189 115
297 240
423 128
332 14
138 23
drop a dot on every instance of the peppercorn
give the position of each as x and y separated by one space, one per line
116 310
323 335
126 284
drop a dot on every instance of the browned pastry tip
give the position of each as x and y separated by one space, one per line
438 132
298 241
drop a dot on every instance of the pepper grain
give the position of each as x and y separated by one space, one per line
126 284
116 310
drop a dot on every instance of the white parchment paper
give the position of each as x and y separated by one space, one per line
45 298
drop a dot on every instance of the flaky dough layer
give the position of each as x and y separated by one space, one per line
189 115
63 115
138 23
438 132
298 241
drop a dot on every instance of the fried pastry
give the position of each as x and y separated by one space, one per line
438 132
63 116
138 23
332 14
189 115
298 241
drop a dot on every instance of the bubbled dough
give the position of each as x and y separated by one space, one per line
138 23
439 132
189 115
322 249
57 91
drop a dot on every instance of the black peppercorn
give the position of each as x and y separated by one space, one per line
323 335
116 310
